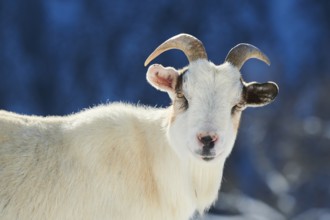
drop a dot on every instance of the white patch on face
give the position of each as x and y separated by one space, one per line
211 92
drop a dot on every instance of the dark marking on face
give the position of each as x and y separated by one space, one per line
238 107
178 86
205 154
180 101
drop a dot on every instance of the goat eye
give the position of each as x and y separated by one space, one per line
185 103
180 95
237 108
182 100
233 109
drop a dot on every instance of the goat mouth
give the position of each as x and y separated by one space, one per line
207 158
205 155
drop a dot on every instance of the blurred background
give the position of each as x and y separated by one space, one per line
60 56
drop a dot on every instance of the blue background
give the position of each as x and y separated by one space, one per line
60 56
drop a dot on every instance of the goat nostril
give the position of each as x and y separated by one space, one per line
208 140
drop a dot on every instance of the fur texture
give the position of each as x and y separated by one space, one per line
120 161
110 162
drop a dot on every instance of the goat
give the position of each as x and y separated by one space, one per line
120 161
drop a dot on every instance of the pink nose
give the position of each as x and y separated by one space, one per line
207 138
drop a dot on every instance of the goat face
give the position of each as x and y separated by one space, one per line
207 100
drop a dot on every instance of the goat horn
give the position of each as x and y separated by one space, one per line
191 46
239 54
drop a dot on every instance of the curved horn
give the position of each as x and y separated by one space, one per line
191 46
242 52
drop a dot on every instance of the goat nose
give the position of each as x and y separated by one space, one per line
207 139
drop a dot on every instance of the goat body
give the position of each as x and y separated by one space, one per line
109 162
120 161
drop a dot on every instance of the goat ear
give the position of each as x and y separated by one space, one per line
259 94
162 78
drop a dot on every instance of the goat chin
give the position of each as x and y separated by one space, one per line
108 162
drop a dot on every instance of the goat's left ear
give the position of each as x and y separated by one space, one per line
259 94
162 78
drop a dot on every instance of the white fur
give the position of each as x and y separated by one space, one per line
211 91
120 161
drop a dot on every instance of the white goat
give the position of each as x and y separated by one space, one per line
120 161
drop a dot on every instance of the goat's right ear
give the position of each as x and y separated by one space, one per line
162 78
